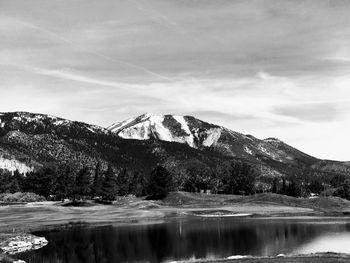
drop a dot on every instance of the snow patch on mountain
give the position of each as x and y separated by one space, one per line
13 165
159 130
139 131
184 125
247 150
120 125
273 155
152 126
171 128
213 135
59 122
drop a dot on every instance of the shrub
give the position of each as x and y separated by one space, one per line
21 197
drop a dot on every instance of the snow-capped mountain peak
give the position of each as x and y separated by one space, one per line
171 128
198 134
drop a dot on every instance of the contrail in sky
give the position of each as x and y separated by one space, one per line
121 62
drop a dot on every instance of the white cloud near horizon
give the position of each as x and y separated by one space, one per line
268 68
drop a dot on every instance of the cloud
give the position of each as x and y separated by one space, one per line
314 112
65 74
268 68
216 115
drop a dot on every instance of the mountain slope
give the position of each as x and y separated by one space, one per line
199 134
29 141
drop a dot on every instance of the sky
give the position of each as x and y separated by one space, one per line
270 68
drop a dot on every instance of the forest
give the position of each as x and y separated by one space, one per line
63 181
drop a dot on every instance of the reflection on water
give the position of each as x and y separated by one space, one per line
190 239
334 242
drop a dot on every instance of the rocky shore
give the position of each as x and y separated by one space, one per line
11 244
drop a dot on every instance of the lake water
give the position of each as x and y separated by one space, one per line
192 238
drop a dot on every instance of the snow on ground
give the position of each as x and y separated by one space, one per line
213 136
61 122
274 156
247 150
157 127
120 125
140 131
184 125
150 125
13 165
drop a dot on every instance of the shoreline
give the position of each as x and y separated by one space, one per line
25 219
304 258
31 217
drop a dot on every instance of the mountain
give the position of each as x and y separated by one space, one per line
199 135
29 141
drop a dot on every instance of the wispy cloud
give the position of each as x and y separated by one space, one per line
315 112
100 55
64 74
269 68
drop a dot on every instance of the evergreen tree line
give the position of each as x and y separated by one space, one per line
291 188
59 182
226 178
63 182
339 185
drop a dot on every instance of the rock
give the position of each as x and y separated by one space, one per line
237 257
21 243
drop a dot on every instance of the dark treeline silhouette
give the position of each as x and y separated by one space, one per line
59 182
339 185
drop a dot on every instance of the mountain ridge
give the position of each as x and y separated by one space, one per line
197 134
33 140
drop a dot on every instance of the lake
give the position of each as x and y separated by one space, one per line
192 238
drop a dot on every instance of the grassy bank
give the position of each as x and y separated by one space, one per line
314 258
176 205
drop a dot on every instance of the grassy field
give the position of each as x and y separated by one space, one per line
22 218
31 216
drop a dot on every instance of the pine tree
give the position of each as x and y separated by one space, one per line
13 186
245 178
293 189
123 183
274 185
160 182
82 184
19 178
284 187
141 183
5 179
41 182
109 186
345 189
98 180
65 183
